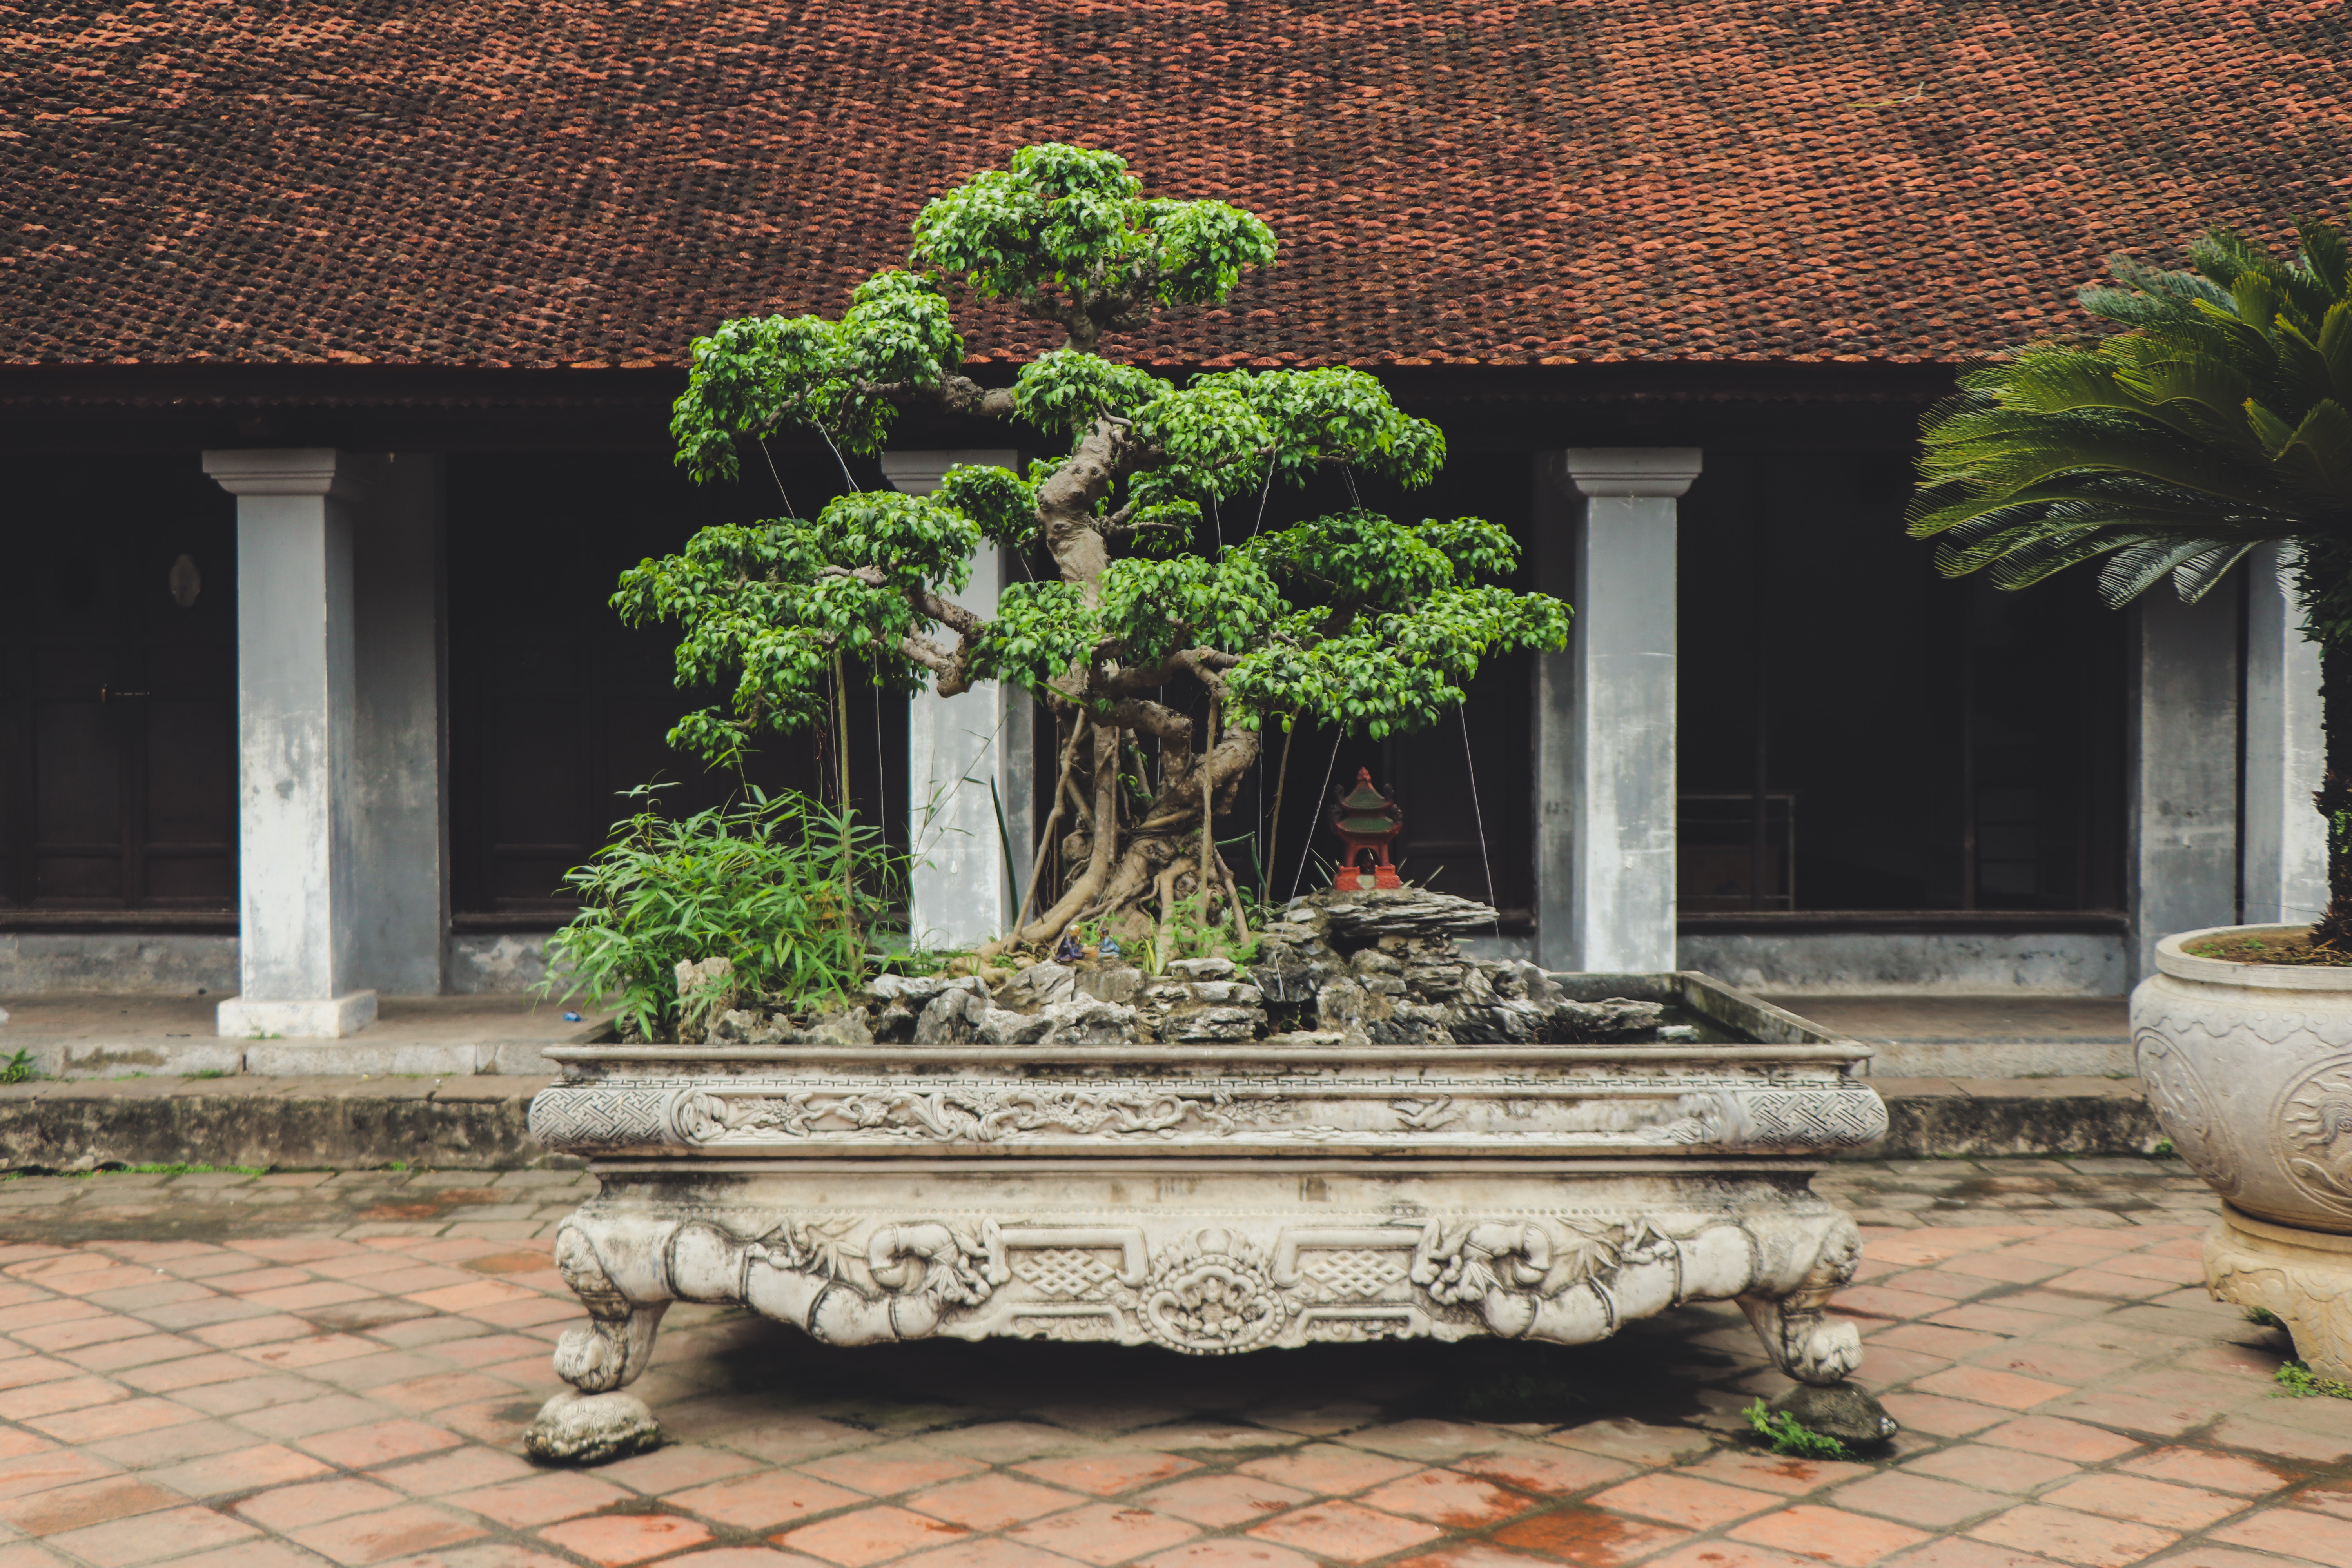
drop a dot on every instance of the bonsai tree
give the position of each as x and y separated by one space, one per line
1353 619
2214 423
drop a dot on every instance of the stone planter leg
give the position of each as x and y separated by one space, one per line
599 1422
2304 1277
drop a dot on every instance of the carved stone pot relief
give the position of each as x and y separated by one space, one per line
2249 1069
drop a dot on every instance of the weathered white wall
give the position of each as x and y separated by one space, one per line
2181 803
400 812
957 747
116 962
1912 963
2285 851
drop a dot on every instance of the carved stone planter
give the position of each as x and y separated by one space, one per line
1207 1198
2249 1069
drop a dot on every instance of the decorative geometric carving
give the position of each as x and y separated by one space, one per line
611 1118
1833 1119
1062 1273
1355 1274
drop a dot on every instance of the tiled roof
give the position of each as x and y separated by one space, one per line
561 183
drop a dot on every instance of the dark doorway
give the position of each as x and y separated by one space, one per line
557 709
118 689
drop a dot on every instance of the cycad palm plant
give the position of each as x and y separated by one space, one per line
2215 423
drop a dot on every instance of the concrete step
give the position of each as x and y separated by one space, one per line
477 1121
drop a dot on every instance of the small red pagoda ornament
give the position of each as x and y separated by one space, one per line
1366 823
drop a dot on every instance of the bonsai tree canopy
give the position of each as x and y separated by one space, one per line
1353 619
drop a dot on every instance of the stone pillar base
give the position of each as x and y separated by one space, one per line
328 1020
2304 1277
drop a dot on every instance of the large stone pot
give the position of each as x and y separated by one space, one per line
1209 1197
2249 1068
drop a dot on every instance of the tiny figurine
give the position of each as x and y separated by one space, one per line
1366 823
1109 948
1070 950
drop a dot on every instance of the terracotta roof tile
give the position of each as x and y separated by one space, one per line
557 182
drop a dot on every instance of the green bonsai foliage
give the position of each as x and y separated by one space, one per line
1353 619
2215 422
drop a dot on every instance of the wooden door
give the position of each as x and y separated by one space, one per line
118 691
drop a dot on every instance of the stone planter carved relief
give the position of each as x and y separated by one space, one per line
2249 1069
1327 1189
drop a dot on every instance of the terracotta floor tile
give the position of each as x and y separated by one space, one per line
2145 1501
990 1501
536 1500
1327 1468
873 1534
238 1470
377 1443
1774 1472
97 1423
283 1509
144 1349
1345 1530
1109 1474
399 1532
720 1557
45 1471
2058 1440
2278 1438
988 1552
1232 1551
1829 1534
469 1468
2295 1531
676 1466
2073 1537
2221 1473
173 1532
1985 1385
1683 1500
1430 1441
1635 1442
1918 1499
299 1418
53 1394
1448 1498
1105 1533
83 1503
892 1469
1991 1468
765 1500
614 1540
1959 1552
1586 1537
1219 1500
1480 1554
1546 1469
1934 1339
1729 1555
1939 1417
187 1371
2333 1498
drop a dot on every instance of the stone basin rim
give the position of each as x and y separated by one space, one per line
2173 958
1324 1057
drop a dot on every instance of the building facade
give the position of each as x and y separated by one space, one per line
334 377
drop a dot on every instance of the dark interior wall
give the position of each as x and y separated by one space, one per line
118 702
1940 744
557 709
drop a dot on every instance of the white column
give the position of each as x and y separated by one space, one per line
2286 853
1617 747
296 798
957 748
2182 807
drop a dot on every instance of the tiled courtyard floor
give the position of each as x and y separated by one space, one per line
306 1369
